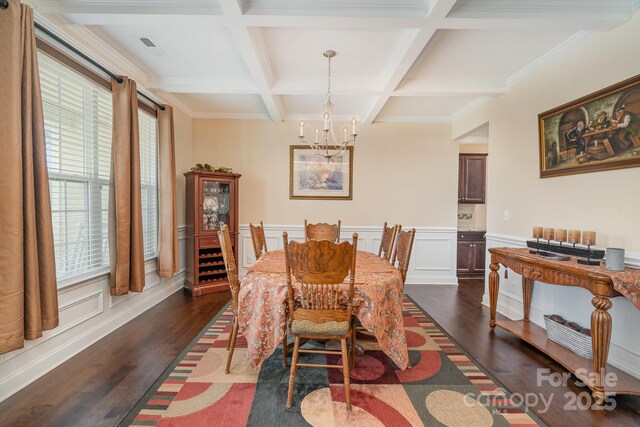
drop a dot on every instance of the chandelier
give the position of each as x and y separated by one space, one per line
326 144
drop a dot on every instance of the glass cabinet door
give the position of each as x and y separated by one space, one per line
216 203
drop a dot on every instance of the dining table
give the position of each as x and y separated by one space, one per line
263 306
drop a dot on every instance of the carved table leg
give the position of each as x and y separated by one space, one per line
527 290
601 337
494 284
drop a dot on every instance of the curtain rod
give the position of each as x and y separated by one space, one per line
83 56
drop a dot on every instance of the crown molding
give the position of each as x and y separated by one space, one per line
197 85
176 103
91 45
547 57
106 54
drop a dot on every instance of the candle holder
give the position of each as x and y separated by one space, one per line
589 238
561 235
589 261
537 233
574 237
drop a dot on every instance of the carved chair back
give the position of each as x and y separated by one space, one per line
386 243
320 267
258 239
402 252
229 265
322 231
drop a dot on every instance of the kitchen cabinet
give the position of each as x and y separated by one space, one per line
471 254
472 179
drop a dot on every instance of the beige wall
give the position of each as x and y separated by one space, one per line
184 137
474 148
607 201
405 173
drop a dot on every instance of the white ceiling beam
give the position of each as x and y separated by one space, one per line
554 23
143 19
333 22
436 87
251 48
411 46
122 7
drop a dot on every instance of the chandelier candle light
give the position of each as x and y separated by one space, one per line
326 144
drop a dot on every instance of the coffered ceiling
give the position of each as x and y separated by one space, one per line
398 60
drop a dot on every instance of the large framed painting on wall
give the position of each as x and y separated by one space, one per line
312 177
600 131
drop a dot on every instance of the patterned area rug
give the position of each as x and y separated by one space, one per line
444 387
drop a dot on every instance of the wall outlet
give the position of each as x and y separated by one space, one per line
505 216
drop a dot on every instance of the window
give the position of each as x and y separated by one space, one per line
149 181
77 116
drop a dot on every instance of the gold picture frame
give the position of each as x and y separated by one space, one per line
311 177
600 131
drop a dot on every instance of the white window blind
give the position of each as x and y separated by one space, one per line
149 181
78 116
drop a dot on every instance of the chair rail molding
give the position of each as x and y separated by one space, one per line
433 259
624 351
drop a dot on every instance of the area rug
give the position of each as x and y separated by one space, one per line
444 387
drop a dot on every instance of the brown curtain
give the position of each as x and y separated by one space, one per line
168 215
125 208
28 290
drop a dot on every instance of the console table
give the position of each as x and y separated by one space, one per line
568 273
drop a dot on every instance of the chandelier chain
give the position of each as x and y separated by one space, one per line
326 144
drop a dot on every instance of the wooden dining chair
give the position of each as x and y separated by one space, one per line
258 239
322 231
320 267
387 240
234 285
402 251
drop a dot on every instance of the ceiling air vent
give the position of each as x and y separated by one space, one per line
147 42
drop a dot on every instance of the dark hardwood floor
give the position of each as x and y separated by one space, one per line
99 386
513 362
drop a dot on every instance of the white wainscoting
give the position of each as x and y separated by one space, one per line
433 260
571 303
87 313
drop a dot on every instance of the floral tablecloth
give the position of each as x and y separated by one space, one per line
262 306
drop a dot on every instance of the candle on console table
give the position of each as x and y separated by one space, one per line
537 232
574 236
548 233
561 235
588 238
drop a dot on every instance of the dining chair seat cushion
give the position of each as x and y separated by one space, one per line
301 327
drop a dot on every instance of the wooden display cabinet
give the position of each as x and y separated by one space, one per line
212 201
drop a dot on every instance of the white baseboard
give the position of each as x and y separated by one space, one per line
624 352
88 313
433 259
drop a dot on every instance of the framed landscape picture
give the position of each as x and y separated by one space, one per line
600 131
312 177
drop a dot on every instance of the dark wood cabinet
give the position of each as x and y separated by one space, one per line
472 171
471 254
211 202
